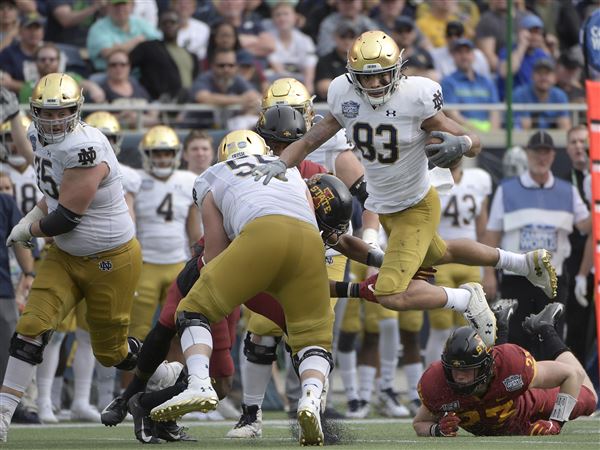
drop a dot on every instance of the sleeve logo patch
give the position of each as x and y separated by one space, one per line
513 383
87 156
350 109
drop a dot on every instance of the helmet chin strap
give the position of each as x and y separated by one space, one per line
162 172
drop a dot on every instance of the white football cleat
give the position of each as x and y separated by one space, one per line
199 396
4 423
249 425
84 413
390 406
309 420
358 409
45 412
479 314
164 376
541 271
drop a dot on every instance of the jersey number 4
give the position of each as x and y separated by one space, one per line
165 208
362 136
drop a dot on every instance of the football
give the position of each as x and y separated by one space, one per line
436 140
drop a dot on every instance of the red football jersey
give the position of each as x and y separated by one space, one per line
505 407
308 168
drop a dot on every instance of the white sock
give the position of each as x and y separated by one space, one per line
46 370
413 373
347 367
9 403
255 379
198 365
514 262
389 343
195 335
83 369
435 344
366 381
312 385
18 374
57 386
105 382
458 299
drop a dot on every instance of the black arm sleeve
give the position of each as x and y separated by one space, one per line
59 221
359 190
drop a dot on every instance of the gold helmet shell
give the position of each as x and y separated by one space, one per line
56 91
241 142
110 127
8 151
372 53
291 92
157 138
6 127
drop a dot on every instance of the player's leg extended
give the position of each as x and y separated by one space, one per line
346 354
410 323
53 295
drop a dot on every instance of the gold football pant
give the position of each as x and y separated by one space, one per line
278 255
106 280
452 275
413 242
151 292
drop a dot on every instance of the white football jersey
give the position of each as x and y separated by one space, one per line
131 179
463 204
27 193
389 138
327 153
161 212
241 199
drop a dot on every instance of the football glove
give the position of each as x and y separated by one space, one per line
448 425
273 169
544 428
21 235
449 150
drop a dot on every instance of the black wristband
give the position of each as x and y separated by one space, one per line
344 289
359 190
29 274
434 430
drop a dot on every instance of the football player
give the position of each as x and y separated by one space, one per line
389 117
504 390
95 254
167 223
464 216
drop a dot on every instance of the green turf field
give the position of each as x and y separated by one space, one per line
370 433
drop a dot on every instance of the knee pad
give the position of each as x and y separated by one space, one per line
260 354
312 352
187 319
347 342
130 360
27 351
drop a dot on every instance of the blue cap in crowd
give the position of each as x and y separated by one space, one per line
531 21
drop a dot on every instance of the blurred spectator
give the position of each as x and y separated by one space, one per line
252 35
166 69
16 60
295 53
333 64
418 60
529 48
223 36
252 70
47 60
490 33
542 89
193 34
122 89
224 86
568 78
561 21
146 10
119 30
9 24
313 14
465 85
198 151
434 15
443 60
70 20
347 11
387 11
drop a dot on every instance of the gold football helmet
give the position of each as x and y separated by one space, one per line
240 143
56 91
160 138
374 53
8 151
110 127
289 91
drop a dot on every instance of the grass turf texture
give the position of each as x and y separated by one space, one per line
277 433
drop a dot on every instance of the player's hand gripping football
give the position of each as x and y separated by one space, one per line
544 428
448 425
273 169
446 153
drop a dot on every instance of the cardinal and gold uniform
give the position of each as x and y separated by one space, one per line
461 209
100 259
275 248
162 207
392 142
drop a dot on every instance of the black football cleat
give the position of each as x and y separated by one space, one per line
143 425
115 412
547 316
171 432
503 309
